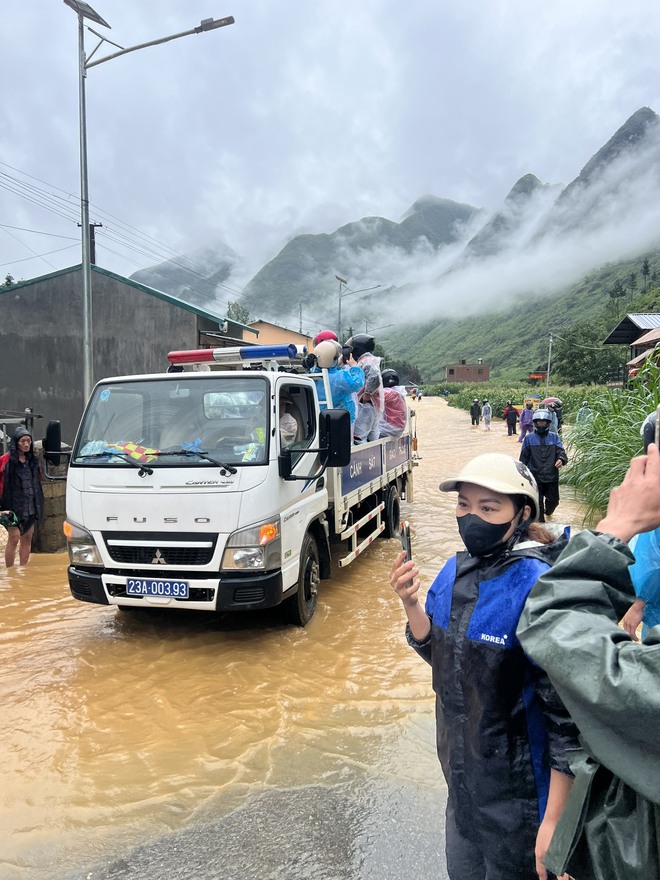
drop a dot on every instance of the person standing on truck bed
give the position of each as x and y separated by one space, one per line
395 413
345 381
22 495
371 401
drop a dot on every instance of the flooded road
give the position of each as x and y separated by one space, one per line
126 729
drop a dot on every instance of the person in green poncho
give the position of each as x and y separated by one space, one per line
610 684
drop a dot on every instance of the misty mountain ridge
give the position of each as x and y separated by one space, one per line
445 258
194 277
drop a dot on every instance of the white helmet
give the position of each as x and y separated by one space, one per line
502 474
327 353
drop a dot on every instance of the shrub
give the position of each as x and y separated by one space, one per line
601 448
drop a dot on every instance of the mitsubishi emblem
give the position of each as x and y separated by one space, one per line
158 559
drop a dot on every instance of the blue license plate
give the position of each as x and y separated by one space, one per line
148 587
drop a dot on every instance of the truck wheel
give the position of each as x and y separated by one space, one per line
301 607
392 514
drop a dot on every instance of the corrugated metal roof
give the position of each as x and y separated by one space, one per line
640 358
152 291
649 338
629 327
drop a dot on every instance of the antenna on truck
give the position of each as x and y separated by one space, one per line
269 356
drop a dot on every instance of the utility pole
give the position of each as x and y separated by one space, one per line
92 242
547 375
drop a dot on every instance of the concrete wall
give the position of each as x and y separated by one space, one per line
41 352
271 334
48 536
467 373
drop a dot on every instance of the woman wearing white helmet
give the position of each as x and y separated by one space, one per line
502 732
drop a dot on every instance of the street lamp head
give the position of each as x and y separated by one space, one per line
209 24
341 280
84 9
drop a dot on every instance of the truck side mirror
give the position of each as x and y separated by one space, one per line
335 435
334 445
52 444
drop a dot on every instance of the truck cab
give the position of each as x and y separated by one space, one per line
211 488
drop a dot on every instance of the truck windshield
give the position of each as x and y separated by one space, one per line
176 421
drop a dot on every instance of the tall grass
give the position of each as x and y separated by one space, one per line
600 449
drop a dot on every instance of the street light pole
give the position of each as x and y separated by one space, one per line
547 374
347 292
341 282
88 336
83 10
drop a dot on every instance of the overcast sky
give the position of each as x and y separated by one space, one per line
302 116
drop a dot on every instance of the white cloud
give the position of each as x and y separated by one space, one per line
308 115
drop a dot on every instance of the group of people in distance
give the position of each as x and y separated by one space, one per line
375 401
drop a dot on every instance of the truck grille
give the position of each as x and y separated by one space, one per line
174 551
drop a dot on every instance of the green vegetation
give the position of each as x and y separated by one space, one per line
600 449
498 393
515 341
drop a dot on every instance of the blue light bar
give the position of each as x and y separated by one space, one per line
257 352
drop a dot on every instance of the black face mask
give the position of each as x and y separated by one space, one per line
481 537
542 430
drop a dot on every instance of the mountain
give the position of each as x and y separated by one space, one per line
613 182
195 278
445 261
515 222
305 270
514 339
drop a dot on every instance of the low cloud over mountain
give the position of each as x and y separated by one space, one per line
444 258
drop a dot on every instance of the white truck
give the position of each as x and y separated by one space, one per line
182 493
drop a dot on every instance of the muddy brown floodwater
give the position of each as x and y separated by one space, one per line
119 729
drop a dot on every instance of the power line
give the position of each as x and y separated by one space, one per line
139 243
47 254
577 344
36 232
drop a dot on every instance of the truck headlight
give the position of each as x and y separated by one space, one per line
81 545
257 547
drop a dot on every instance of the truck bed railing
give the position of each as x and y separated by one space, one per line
352 530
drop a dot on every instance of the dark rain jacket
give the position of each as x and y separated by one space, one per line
14 472
500 725
511 415
610 829
540 453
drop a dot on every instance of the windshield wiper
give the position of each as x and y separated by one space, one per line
201 454
143 469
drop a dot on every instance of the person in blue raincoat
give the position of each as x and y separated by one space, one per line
645 573
345 381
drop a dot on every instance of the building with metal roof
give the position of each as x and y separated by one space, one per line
133 328
631 327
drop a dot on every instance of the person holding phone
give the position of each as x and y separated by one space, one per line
344 376
503 735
